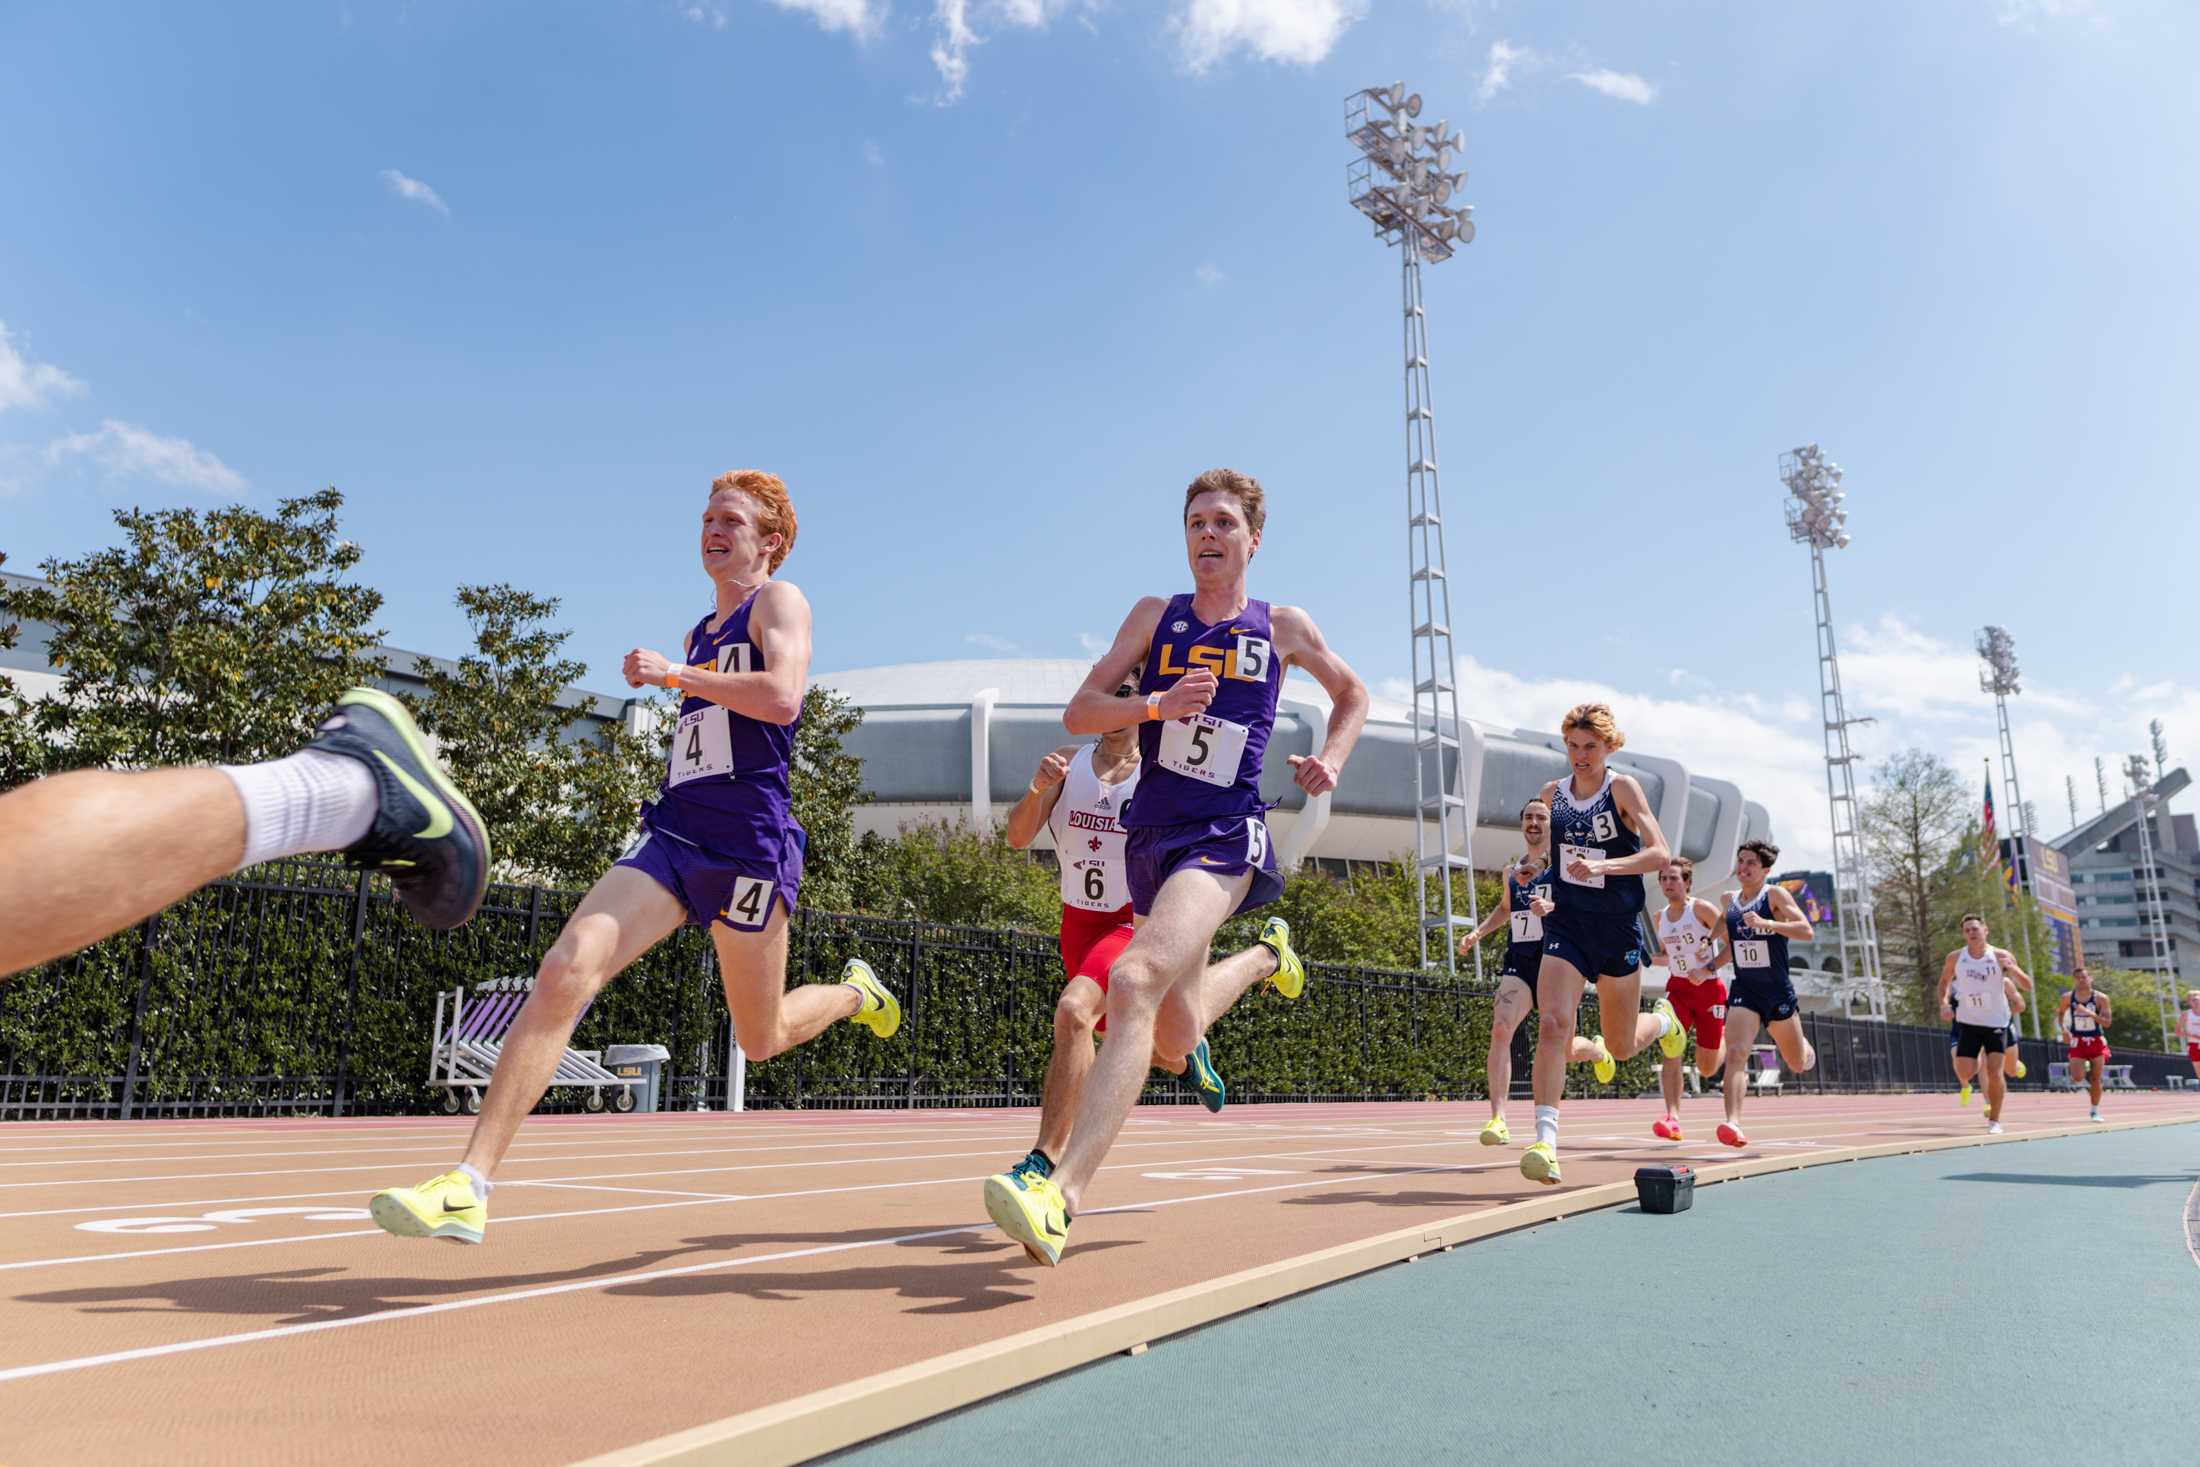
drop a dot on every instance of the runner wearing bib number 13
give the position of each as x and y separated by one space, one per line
719 849
1606 840
1198 847
1695 944
1760 922
1078 795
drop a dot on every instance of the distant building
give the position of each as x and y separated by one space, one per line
2108 895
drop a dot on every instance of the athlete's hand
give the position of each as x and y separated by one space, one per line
1189 694
645 668
1314 774
1757 922
1542 906
1581 868
1947 1012
1052 771
1466 944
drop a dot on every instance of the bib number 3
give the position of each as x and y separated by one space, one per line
1204 748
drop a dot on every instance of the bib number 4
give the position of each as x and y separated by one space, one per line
701 746
750 905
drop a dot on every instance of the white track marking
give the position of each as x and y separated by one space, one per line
2191 1221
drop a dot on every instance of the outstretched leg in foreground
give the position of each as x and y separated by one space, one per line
1558 988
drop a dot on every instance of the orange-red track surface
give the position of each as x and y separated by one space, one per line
212 1291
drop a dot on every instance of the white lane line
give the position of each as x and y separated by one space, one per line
2192 1223
634 1191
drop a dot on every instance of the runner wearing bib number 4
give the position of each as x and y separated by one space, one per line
1607 840
1078 795
1761 921
1198 848
1527 902
719 849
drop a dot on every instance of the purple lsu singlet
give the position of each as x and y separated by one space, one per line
1207 767
725 786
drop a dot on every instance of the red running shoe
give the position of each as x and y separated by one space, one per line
1731 1135
1667 1129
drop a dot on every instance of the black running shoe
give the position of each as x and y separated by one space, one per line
426 838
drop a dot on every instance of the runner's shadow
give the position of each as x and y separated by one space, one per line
2124 1182
960 1288
1453 1200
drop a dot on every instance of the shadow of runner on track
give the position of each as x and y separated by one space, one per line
2176 1179
960 1288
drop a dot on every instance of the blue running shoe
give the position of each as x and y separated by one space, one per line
1204 1080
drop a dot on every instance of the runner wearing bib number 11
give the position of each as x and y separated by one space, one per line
1527 902
719 849
1198 847
1761 921
1606 840
1079 795
1978 989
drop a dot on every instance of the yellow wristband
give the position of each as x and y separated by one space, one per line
1153 707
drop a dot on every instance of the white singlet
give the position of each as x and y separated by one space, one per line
1087 825
2188 1024
1977 990
1688 943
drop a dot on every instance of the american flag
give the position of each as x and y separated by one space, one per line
1989 846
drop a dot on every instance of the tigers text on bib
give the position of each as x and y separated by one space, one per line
1203 748
702 745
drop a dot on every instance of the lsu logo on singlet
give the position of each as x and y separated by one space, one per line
1246 660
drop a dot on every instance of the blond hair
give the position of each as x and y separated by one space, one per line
770 493
1244 487
1597 719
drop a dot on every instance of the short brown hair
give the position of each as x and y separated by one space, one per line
1969 918
770 493
1764 850
1244 487
1537 800
1597 719
1687 867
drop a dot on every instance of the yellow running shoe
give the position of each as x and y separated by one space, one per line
1963 1096
1029 1209
1496 1133
881 1011
2016 1067
1539 1163
440 1207
1675 1039
1604 1067
1290 974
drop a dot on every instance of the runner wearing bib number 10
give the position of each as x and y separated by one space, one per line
1527 902
719 849
1761 921
1198 847
1078 795
1606 840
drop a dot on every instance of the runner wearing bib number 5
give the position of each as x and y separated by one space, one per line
1198 847
1760 922
719 848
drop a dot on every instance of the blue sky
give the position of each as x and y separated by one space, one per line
989 281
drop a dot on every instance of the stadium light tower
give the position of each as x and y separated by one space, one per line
1998 652
2150 884
1403 182
1817 516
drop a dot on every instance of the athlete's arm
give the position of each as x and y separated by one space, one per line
1094 708
1635 810
1722 945
1031 813
1299 643
780 627
2009 966
1787 919
2102 1007
1947 976
1500 914
2062 1015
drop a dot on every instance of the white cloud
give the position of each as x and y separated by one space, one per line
1301 32
1497 75
1621 85
859 18
129 452
28 384
1092 644
415 190
992 643
1210 274
704 14
956 22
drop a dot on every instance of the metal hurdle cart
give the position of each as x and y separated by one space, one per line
469 1035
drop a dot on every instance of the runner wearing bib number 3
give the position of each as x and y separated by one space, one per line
1198 847
1607 840
719 849
1078 795
1761 921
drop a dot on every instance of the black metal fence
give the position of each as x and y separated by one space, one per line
303 989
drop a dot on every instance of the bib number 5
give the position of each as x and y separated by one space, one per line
1204 748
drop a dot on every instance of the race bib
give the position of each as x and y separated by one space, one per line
1680 962
749 905
1251 663
701 746
1203 748
1566 855
1753 952
1527 927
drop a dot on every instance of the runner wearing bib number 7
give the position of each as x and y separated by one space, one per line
1078 795
1761 920
719 849
1527 902
1198 847
1606 840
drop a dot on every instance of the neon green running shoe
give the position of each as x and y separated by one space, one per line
1290 974
1539 1163
1604 1067
1963 1096
1496 1133
441 1207
1029 1208
1675 1039
881 1011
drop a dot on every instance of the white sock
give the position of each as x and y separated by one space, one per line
482 1185
1666 1025
311 801
1546 1124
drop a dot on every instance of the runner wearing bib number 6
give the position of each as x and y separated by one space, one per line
720 849
1607 840
1198 847
1760 922
1078 794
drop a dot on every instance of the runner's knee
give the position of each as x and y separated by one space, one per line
1554 1026
1078 1012
567 982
